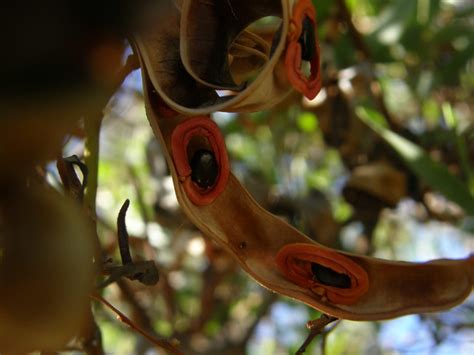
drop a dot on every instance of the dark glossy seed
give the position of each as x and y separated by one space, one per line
329 277
204 168
308 40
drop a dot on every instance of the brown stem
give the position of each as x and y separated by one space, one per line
158 342
316 327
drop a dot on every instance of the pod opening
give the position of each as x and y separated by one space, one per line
302 62
329 275
200 159
307 40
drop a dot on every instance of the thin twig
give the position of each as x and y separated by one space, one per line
160 343
316 327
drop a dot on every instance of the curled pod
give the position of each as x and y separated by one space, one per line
203 47
303 47
200 158
330 275
46 269
284 260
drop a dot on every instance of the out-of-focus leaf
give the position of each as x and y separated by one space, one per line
436 175
431 111
307 122
323 9
342 210
393 20
371 116
466 11
462 150
344 52
453 31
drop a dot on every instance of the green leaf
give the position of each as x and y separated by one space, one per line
369 115
307 122
434 174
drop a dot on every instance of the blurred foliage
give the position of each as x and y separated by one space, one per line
404 68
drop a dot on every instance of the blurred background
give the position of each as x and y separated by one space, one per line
407 65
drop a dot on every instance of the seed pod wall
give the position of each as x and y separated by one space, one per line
189 56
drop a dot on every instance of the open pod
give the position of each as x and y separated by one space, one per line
200 158
211 50
209 29
303 50
330 275
284 260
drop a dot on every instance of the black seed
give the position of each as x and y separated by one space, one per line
329 277
204 168
307 40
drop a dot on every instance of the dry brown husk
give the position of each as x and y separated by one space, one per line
254 237
192 50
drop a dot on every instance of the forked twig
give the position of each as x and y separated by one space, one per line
316 327
160 343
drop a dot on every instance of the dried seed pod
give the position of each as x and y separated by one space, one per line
187 50
303 46
330 275
281 258
200 158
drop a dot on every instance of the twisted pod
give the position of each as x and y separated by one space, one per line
204 47
275 254
284 260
